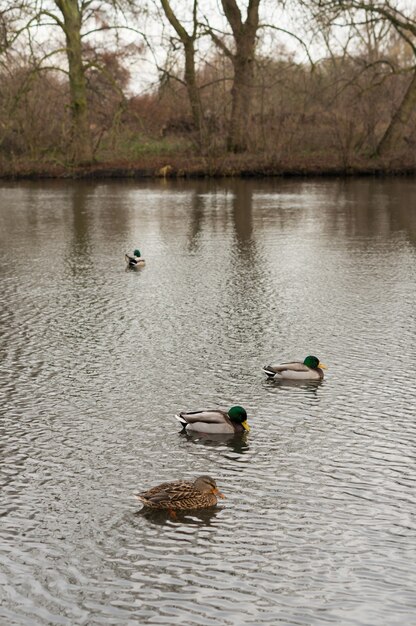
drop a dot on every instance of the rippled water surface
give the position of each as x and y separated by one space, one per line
318 525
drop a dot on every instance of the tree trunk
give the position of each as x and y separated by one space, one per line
81 138
194 93
243 62
241 94
394 133
188 42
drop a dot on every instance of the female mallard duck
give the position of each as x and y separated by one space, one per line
136 260
310 369
182 494
215 421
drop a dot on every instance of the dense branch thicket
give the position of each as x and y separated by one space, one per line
335 111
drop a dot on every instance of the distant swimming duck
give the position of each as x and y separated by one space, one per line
182 494
136 260
215 421
310 369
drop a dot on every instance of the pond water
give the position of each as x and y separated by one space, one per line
318 525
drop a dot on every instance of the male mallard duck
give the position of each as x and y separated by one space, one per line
182 494
136 260
215 421
310 369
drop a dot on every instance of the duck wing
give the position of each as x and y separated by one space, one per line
294 369
294 366
207 421
169 492
130 259
208 417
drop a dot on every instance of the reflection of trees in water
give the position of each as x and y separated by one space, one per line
86 299
234 207
196 219
81 221
368 208
238 196
111 219
242 213
226 208
206 209
246 296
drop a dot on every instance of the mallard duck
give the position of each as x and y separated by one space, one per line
310 369
136 260
215 421
182 494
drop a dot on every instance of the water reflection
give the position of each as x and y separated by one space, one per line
134 268
88 202
237 442
370 208
92 366
202 517
205 203
306 389
311 385
81 221
197 213
242 214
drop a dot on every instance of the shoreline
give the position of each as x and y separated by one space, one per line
229 166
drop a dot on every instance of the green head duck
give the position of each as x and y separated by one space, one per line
313 362
239 415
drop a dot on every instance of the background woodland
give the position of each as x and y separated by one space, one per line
258 86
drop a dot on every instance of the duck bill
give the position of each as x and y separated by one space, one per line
218 493
322 366
245 426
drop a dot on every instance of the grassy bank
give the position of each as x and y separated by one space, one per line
170 166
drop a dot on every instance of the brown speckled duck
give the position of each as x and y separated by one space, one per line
181 495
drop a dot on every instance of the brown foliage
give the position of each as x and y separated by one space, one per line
33 113
334 113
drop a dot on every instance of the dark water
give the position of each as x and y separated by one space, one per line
319 521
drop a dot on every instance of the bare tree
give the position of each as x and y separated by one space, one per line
76 20
242 58
72 12
188 43
371 12
4 32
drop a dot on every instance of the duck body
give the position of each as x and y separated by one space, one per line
215 421
135 260
182 495
310 369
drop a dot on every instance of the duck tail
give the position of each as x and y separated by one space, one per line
267 370
130 260
182 420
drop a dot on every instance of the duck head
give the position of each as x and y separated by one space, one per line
238 415
206 484
313 362
137 252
